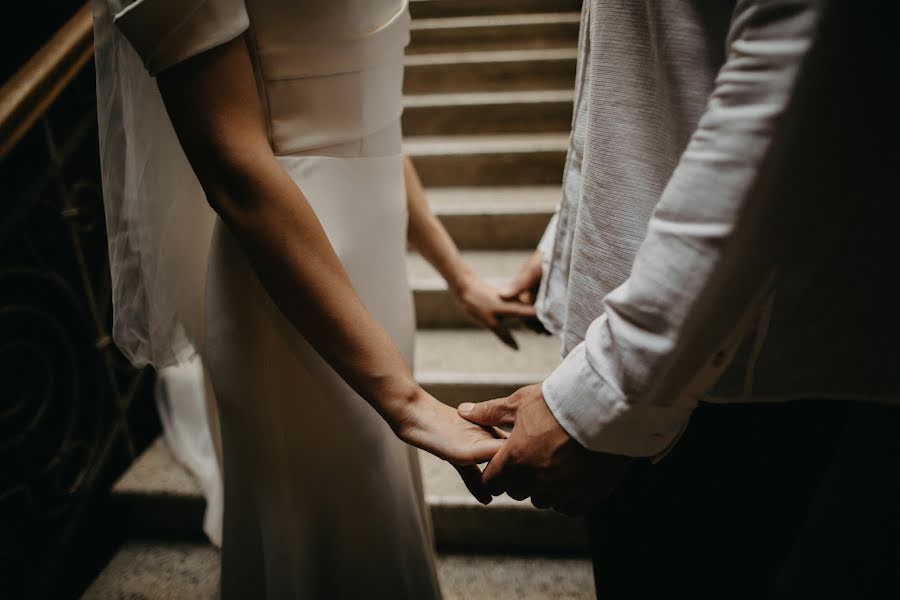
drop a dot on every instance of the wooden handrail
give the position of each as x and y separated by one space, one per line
27 95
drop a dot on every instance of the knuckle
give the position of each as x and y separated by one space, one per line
515 458
488 410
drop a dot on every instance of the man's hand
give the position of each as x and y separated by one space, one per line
540 459
524 288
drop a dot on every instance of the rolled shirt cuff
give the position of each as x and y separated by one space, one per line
599 418
166 32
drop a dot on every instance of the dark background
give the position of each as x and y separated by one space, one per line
25 26
73 411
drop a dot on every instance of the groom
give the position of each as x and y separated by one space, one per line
717 271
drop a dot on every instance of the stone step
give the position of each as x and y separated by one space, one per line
161 500
429 9
157 570
532 111
502 70
494 32
435 307
495 218
496 160
461 524
469 365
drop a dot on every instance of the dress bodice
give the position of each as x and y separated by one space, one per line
329 72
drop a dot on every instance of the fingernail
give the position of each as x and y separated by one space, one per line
466 407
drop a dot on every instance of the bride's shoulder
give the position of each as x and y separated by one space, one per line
166 32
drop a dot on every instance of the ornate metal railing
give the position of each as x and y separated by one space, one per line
73 412
28 93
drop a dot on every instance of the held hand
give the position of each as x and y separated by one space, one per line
483 303
437 428
524 288
540 459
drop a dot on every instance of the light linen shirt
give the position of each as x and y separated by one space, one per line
728 227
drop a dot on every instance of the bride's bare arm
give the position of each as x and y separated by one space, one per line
477 297
215 108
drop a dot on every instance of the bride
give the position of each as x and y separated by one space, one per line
287 117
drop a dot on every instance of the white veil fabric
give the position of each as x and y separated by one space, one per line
158 222
159 228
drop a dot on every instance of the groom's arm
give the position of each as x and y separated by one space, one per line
709 256
704 267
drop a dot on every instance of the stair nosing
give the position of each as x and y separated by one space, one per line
498 20
433 377
501 98
442 209
485 144
490 56
124 492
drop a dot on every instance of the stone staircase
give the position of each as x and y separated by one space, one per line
487 112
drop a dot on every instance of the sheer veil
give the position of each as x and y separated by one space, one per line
157 219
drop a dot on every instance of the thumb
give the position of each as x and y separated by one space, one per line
524 280
527 278
491 412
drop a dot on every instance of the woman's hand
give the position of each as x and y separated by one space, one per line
485 305
524 288
481 301
429 424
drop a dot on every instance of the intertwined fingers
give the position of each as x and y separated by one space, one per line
517 309
525 281
471 476
504 335
484 449
499 476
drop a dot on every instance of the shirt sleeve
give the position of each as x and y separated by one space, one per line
549 236
166 32
707 264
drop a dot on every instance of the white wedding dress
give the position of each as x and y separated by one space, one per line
321 499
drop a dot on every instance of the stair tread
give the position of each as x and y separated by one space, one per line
428 145
156 473
490 56
441 355
495 20
420 9
494 199
499 577
492 265
479 98
158 570
474 355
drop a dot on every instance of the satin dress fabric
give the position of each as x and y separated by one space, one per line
321 499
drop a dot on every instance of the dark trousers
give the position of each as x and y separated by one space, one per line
792 500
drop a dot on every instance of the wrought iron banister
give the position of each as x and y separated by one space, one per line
27 94
73 411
